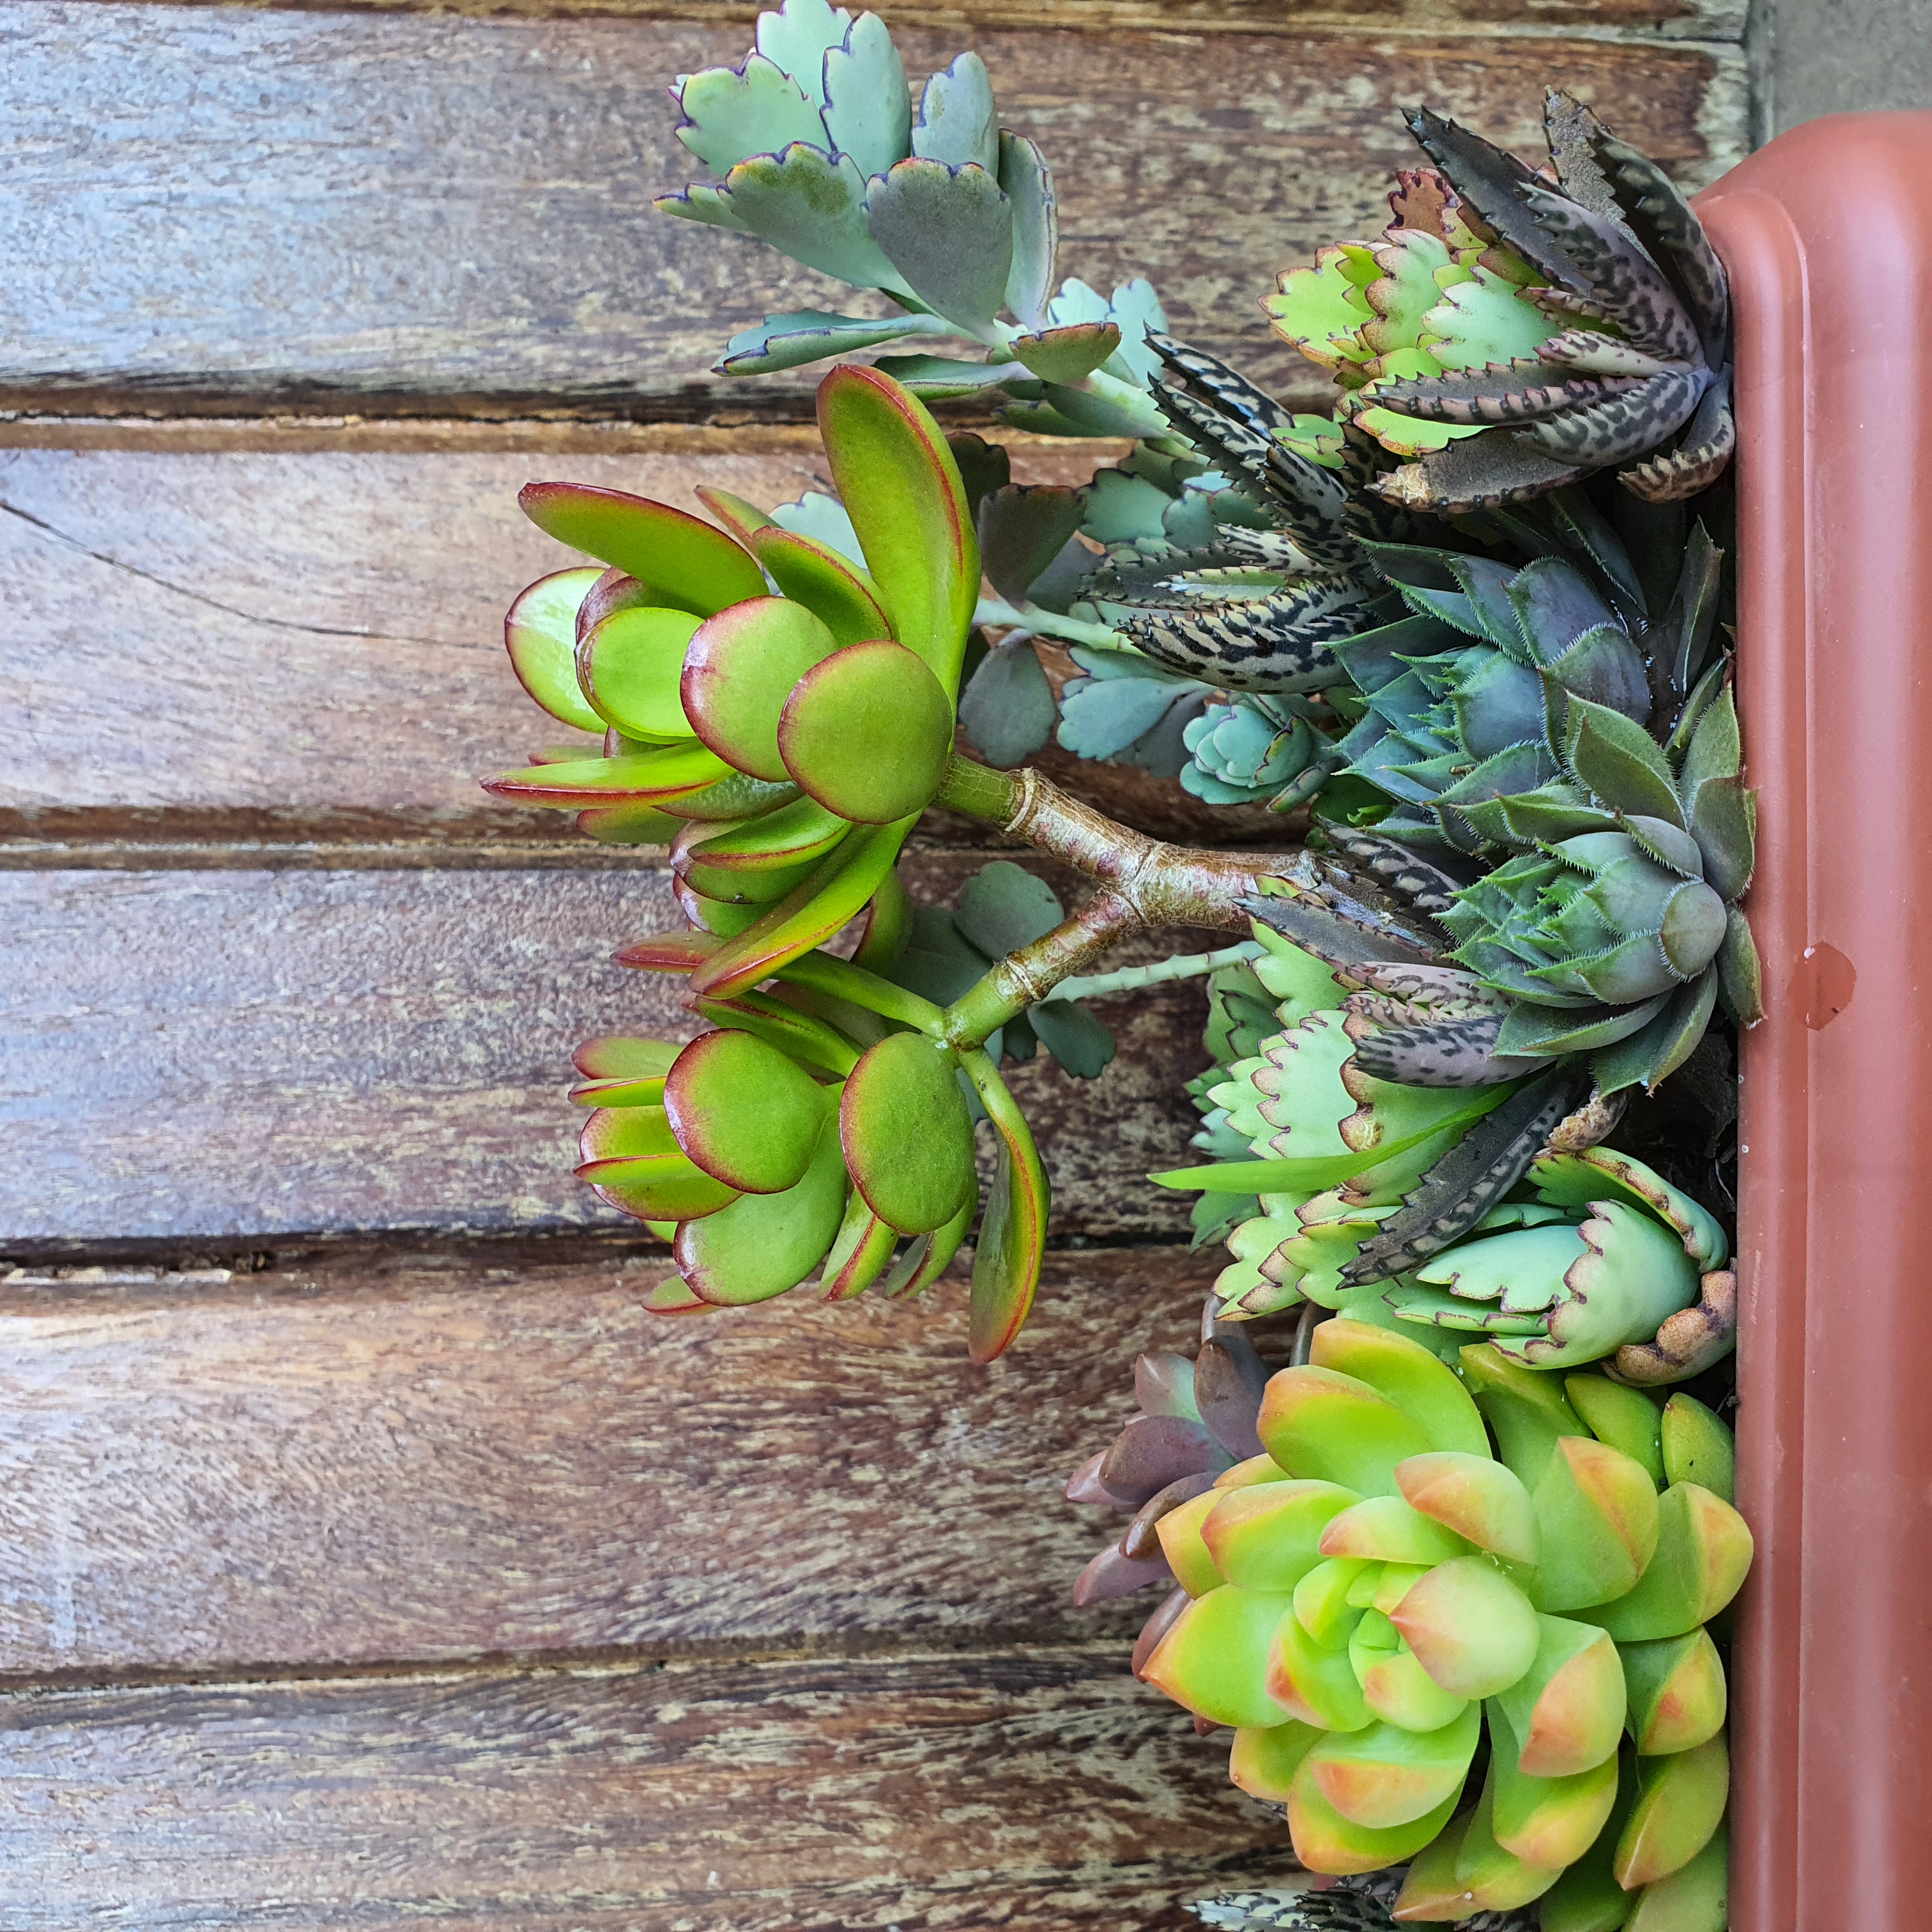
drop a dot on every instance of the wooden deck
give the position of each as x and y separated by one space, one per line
367 1559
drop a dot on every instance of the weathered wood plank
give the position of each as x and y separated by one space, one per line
214 1056
371 1459
1675 19
238 644
205 205
1039 1791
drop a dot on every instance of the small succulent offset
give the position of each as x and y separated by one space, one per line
1382 1563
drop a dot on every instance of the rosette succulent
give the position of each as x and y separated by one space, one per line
1514 333
1454 1615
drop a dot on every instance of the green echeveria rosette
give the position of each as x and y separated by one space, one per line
1422 1557
1257 750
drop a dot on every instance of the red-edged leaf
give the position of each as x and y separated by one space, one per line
901 487
540 633
685 560
1012 1233
907 1138
743 1112
833 588
645 778
807 916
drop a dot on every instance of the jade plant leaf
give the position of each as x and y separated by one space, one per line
743 1112
620 1071
629 667
901 487
630 1155
763 1244
907 1138
740 669
867 732
540 632
670 771
685 560
807 915
1013 1234
836 590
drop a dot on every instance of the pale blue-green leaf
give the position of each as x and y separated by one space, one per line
1073 1036
949 232
702 201
733 113
1004 907
1125 662
958 122
934 378
797 37
814 208
1101 718
816 515
1137 309
1027 183
868 109
1007 707
1077 302
1107 407
809 335
1125 509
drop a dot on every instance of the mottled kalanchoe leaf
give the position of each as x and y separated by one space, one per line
1511 337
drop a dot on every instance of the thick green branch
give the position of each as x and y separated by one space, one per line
1144 883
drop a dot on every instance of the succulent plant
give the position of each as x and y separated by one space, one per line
1361 1903
817 151
1381 1560
1514 332
1258 750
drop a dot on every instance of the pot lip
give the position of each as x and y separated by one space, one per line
1823 236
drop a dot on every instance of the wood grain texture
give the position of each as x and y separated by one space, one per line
207 205
216 1056
382 1458
1677 19
307 645
1038 1791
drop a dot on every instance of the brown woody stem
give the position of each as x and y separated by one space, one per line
1144 883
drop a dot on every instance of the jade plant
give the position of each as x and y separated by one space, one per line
1455 1575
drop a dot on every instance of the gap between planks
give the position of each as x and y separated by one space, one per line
590 1662
724 433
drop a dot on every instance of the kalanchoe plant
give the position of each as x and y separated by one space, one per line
820 152
1447 1614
